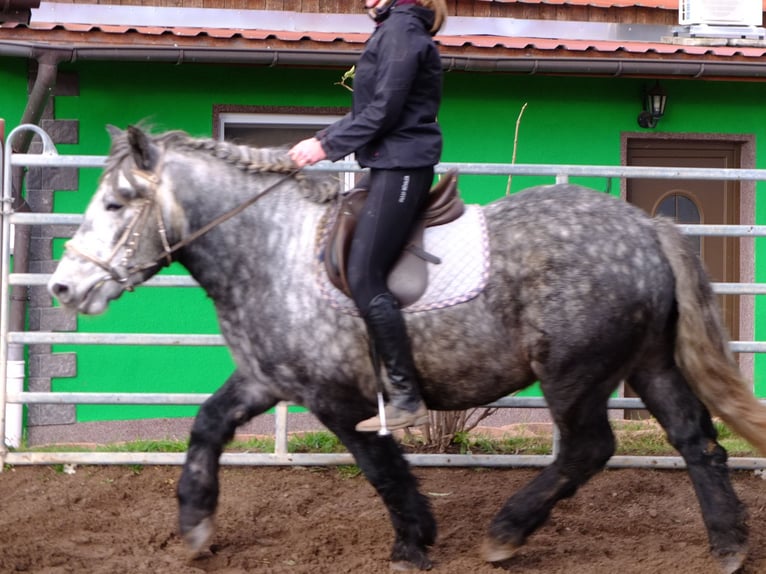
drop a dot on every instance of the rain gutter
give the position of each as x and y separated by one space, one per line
616 67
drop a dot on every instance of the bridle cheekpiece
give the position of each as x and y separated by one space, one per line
130 238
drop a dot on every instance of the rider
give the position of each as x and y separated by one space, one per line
393 130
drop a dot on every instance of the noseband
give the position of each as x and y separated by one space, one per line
130 238
122 272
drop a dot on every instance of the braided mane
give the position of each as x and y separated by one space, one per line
316 187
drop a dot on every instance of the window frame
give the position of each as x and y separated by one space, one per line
303 116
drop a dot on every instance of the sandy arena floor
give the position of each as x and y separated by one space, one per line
115 520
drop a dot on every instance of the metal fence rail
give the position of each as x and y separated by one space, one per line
50 158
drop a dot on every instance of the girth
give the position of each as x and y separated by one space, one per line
408 278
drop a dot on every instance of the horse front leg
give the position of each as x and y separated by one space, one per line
213 427
381 460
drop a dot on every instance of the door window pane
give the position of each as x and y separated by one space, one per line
682 209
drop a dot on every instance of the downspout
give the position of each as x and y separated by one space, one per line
45 81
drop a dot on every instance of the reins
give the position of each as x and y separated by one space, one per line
228 215
130 237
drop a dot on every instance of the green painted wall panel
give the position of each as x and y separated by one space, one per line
13 89
567 120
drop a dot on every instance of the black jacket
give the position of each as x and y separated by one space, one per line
397 92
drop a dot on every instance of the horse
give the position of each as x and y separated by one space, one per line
583 292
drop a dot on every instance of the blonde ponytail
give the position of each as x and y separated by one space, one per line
439 8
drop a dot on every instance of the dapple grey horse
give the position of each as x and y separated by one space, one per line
583 291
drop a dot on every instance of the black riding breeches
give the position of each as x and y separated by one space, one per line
393 203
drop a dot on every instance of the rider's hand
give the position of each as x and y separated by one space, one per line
307 152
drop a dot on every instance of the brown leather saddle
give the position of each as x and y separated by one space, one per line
408 278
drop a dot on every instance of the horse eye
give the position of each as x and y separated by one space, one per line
113 206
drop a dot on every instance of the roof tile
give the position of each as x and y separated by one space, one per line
356 40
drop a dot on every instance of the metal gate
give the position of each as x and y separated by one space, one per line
13 397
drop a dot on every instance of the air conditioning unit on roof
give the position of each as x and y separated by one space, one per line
720 12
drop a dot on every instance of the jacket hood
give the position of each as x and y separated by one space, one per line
425 15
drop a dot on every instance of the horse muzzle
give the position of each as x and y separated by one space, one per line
87 292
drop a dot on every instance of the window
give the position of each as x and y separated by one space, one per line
681 209
260 126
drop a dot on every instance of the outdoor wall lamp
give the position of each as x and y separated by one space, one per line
654 106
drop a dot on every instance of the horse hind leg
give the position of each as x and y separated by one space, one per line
690 430
213 427
578 406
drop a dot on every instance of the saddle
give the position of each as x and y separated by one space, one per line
408 279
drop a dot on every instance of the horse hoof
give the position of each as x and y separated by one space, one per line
494 551
405 566
198 538
732 563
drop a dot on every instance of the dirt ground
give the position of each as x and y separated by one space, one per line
115 520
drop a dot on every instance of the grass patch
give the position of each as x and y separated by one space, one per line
349 471
147 446
527 444
734 444
315 442
254 444
634 438
647 438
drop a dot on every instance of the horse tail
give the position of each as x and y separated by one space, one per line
702 344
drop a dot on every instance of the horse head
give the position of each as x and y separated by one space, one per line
123 239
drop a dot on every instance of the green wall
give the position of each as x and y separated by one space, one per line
567 120
13 87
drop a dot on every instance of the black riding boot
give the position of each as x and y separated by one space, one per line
388 339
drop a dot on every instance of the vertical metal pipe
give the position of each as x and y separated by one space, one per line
556 441
280 429
13 200
5 210
14 412
45 81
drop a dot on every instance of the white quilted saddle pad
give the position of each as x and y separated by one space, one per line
463 248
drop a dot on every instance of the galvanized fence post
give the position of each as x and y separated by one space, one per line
281 456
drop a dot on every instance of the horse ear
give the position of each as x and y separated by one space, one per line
113 131
145 153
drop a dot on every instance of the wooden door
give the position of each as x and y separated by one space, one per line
693 201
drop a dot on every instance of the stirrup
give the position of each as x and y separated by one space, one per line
395 419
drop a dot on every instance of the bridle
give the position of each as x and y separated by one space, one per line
130 238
